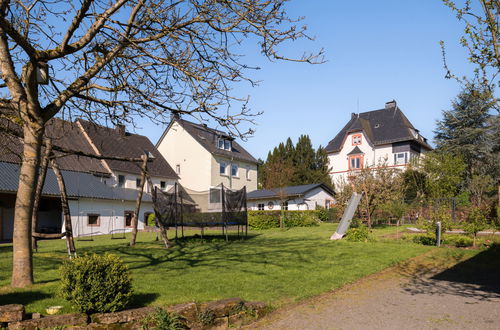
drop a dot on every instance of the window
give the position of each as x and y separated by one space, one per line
260 206
163 185
356 162
328 204
284 205
222 168
400 158
138 183
224 144
121 180
234 170
93 220
356 139
248 174
178 169
215 195
270 205
129 215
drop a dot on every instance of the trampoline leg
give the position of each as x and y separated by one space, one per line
226 234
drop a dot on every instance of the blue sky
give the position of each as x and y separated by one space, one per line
376 51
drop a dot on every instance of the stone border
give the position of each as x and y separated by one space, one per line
220 314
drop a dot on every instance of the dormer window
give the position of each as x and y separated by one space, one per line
224 144
356 139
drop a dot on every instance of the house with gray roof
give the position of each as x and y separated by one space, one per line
205 157
373 138
101 193
302 197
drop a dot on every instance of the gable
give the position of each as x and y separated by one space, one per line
382 126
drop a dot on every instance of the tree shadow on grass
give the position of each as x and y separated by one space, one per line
476 278
22 297
216 253
143 299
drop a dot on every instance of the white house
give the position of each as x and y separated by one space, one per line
374 137
204 157
303 197
101 193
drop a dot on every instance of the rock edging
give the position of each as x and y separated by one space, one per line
220 314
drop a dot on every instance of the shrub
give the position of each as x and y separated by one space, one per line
359 234
163 320
425 239
459 240
94 283
151 220
271 219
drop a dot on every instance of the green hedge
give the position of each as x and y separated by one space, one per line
271 219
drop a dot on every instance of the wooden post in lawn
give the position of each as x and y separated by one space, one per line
65 208
135 219
38 191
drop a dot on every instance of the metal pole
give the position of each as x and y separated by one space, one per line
438 233
176 211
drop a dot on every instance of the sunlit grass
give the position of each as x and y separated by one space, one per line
272 266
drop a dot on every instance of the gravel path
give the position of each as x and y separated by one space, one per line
462 297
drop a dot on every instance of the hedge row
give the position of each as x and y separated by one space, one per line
271 219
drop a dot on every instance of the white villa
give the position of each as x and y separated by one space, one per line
370 138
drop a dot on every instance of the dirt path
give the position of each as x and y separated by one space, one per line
417 295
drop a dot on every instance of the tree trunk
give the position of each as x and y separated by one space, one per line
135 219
68 226
38 193
22 264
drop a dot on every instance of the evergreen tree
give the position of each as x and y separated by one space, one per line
308 165
470 131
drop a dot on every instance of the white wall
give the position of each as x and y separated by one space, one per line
178 147
314 197
111 215
373 155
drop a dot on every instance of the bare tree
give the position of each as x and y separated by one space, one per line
481 40
111 61
278 174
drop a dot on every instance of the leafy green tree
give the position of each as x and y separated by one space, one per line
445 174
476 221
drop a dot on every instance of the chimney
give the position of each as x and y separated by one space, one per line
120 129
175 116
390 104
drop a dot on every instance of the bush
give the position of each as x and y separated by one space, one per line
163 320
151 221
359 234
327 215
271 219
458 241
94 283
424 239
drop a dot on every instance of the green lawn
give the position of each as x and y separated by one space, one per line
273 266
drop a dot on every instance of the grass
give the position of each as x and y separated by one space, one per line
273 266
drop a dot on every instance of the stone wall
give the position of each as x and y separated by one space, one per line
221 314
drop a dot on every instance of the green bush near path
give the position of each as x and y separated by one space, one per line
272 266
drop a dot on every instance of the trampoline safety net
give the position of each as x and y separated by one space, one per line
217 207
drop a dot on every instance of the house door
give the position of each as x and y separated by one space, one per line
128 215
